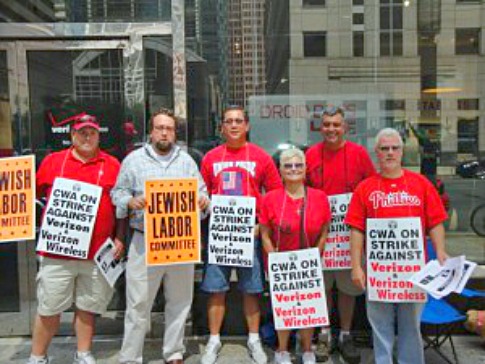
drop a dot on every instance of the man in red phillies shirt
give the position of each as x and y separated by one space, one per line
336 166
394 193
63 280
237 168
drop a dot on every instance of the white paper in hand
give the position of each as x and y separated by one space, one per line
440 280
110 267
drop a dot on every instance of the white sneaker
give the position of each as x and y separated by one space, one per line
308 357
211 352
282 357
44 360
257 353
85 358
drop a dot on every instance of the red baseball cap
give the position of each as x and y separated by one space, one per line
86 121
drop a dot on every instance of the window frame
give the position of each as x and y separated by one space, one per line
313 54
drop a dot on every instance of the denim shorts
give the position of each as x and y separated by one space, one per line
250 280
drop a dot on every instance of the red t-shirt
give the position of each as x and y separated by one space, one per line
410 195
337 171
281 214
104 168
245 171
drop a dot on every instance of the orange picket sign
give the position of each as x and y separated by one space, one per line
17 198
172 229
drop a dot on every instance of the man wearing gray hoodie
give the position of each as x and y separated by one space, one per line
160 158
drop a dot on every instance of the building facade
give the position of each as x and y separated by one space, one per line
422 63
245 50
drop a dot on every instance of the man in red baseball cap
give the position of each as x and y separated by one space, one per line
66 280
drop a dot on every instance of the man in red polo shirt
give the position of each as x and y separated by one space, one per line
63 280
336 166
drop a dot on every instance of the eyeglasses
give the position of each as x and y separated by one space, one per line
290 166
387 148
233 121
168 129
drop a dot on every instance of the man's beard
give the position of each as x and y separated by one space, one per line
164 147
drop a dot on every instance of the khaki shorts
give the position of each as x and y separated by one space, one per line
61 282
343 280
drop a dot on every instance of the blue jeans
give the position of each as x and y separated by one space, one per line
382 317
250 280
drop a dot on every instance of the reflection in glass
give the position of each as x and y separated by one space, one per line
159 92
87 81
81 11
9 287
6 137
467 41
10 301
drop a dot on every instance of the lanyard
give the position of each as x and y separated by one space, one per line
303 237
100 172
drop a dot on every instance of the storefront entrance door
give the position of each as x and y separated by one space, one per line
17 263
43 86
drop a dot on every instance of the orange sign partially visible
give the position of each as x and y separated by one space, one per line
172 222
17 198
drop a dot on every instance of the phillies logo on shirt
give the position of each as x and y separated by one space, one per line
249 166
393 199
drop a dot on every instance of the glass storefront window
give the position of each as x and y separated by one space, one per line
6 135
87 81
10 301
393 63
158 75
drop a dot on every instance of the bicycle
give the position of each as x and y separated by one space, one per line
477 220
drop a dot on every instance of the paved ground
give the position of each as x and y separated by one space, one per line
471 350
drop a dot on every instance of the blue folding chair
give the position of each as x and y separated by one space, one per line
440 318
471 293
438 321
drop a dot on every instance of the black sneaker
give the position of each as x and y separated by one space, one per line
349 353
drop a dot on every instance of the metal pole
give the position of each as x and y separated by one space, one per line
179 67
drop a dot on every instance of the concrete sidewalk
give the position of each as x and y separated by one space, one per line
471 350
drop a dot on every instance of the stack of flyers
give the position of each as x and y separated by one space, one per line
440 280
